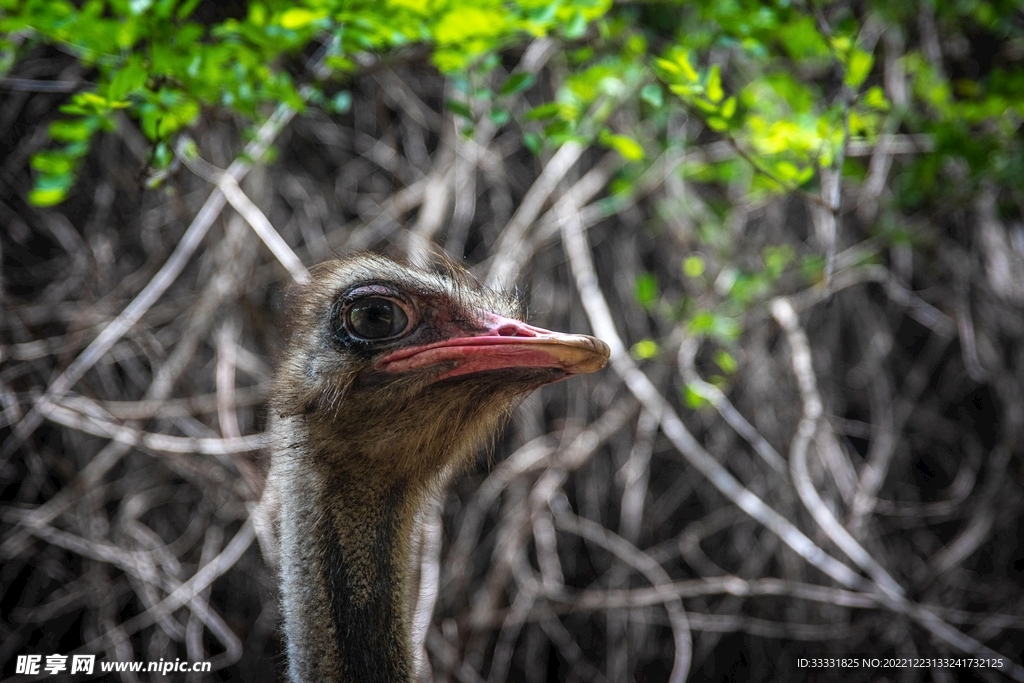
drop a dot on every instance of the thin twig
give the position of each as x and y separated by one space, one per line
154 289
638 383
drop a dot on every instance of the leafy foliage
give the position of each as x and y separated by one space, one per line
158 62
787 88
153 59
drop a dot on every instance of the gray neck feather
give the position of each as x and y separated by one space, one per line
344 551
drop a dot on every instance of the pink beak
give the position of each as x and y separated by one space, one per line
506 343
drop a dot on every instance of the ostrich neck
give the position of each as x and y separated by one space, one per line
345 552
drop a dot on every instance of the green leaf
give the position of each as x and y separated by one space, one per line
186 9
646 289
645 349
127 81
299 17
85 103
162 155
652 95
545 13
150 119
677 64
802 41
728 108
724 360
50 197
692 397
576 27
693 266
786 170
858 67
467 24
629 148
54 162
717 123
710 324
777 258
702 322
706 107
533 142
50 190
544 111
499 117
460 108
875 99
558 128
714 85
72 130
517 83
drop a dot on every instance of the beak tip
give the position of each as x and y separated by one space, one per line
596 357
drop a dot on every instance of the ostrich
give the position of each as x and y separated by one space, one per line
392 378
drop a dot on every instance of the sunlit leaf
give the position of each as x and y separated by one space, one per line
677 63
717 123
802 40
858 67
127 81
72 130
299 17
692 397
53 162
875 98
576 27
46 197
724 360
728 108
465 23
50 189
693 266
645 349
629 148
714 85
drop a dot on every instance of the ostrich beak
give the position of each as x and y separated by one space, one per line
504 344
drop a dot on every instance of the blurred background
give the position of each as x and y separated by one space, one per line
799 226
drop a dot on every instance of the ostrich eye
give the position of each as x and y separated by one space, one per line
376 318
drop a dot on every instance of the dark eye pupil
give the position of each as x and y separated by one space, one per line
375 318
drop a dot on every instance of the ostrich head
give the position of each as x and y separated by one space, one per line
391 379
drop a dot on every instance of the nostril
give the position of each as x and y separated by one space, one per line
513 331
